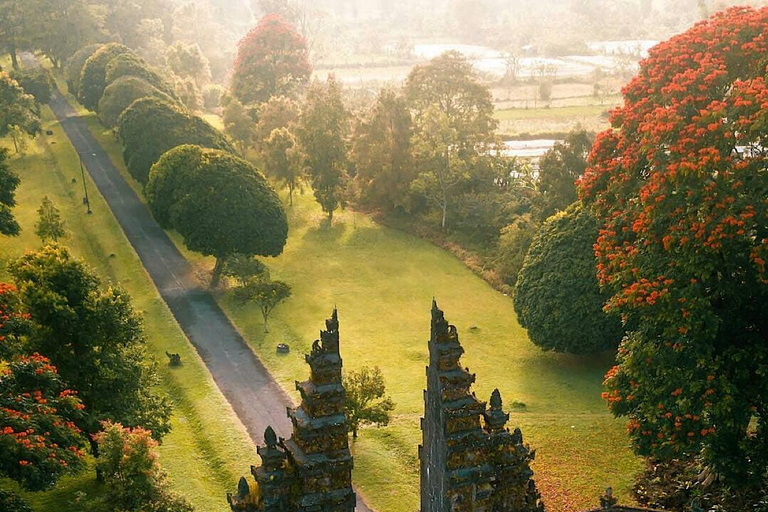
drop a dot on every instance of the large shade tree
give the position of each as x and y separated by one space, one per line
322 134
121 93
272 60
94 338
557 298
221 204
75 64
453 126
382 153
680 187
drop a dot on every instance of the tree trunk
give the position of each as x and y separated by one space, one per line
445 211
330 218
266 323
354 431
216 277
14 59
95 452
290 194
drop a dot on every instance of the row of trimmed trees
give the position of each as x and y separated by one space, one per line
194 183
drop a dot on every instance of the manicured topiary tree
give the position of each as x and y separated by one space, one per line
556 295
75 66
130 64
272 60
680 186
119 95
93 77
152 126
219 203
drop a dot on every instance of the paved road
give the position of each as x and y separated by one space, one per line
255 396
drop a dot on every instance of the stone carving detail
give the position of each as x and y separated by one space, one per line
311 471
468 464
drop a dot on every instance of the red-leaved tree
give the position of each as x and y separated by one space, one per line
680 185
272 60
39 441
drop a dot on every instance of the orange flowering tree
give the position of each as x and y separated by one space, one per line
272 59
39 441
680 184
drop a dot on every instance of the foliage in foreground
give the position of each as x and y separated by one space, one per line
557 298
135 481
39 441
17 108
680 190
94 338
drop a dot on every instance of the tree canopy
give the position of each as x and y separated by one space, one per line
8 183
382 153
272 60
365 401
221 204
130 64
559 168
39 442
453 126
680 188
94 338
283 159
150 126
322 132
119 95
75 64
17 108
93 78
557 298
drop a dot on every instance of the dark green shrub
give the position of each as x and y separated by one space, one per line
557 296
119 95
130 64
75 66
93 77
35 81
151 126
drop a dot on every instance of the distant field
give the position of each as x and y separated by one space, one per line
207 449
554 119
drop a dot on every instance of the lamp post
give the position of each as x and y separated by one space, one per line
85 186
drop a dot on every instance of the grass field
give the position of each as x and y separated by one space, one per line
383 281
516 121
208 449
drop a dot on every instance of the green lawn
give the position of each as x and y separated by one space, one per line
383 281
208 449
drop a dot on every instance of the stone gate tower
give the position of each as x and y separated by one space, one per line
469 459
311 471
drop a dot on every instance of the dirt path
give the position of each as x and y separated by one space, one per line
254 395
